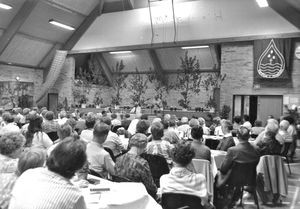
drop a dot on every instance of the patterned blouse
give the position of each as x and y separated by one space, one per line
135 168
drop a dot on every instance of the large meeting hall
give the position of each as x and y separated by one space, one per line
149 104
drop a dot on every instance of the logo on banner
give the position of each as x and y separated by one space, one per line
271 62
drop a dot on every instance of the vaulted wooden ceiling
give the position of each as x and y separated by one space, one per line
28 40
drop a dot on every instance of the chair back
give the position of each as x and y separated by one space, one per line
53 135
203 166
119 179
158 166
243 174
286 149
175 200
110 152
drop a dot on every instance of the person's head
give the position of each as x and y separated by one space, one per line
290 119
157 130
43 113
138 142
184 120
243 133
67 157
217 120
113 116
258 123
201 121
226 126
142 126
49 115
271 129
284 125
237 119
100 132
106 120
197 132
82 115
32 158
63 114
72 122
11 144
172 123
194 123
246 118
167 117
182 154
7 117
90 121
127 116
64 131
26 111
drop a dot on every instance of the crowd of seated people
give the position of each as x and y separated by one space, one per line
40 148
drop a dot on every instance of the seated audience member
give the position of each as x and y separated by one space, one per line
257 128
260 137
236 123
50 188
35 137
293 132
63 132
206 130
283 127
113 142
62 117
192 123
171 134
133 167
49 124
243 152
72 123
114 120
217 126
80 123
8 122
180 179
132 126
269 145
87 134
142 127
158 146
31 158
184 127
125 123
201 151
11 146
99 160
227 140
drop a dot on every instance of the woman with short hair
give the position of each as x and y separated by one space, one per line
31 158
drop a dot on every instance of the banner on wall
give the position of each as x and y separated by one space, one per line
272 59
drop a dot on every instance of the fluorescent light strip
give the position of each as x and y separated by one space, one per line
5 6
120 52
61 25
195 47
262 3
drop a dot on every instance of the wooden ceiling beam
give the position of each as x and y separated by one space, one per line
106 69
16 23
157 65
286 10
64 8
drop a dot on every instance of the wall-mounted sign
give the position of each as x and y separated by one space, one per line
297 52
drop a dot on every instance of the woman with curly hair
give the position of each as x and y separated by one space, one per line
35 137
11 145
180 179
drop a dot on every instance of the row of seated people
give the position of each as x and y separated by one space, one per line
100 134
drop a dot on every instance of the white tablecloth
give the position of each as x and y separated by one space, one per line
217 157
120 196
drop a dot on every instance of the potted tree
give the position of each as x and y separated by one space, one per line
83 100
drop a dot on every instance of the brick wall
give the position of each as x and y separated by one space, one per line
9 73
237 63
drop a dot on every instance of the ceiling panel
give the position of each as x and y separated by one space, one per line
81 6
25 51
137 59
37 23
6 16
170 57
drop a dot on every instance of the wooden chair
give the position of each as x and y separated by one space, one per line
285 152
244 174
180 201
158 166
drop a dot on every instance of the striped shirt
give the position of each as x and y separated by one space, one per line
42 189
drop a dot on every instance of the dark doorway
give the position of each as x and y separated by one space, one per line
253 109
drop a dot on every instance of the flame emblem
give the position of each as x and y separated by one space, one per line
271 62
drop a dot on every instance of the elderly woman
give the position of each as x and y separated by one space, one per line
51 187
180 179
32 158
133 167
49 125
201 151
11 145
35 137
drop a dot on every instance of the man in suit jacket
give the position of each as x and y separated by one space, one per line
243 152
